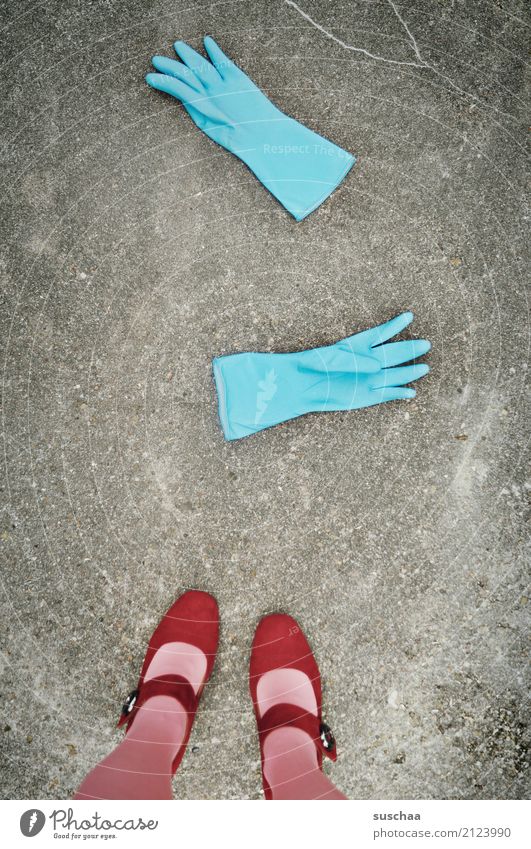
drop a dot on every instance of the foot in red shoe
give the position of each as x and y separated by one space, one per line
159 714
285 688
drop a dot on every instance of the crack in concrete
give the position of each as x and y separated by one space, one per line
420 63
351 46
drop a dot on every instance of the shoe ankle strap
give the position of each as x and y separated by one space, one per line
282 715
175 686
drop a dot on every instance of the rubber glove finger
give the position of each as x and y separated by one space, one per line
219 59
341 360
377 335
190 97
170 85
400 375
391 393
172 68
202 68
390 328
396 353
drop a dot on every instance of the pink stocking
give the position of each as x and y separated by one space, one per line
141 765
290 756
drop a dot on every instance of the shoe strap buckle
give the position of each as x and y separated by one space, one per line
328 740
129 703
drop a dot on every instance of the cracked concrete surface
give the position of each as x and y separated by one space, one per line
133 250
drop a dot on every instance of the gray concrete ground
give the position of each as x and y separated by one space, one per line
133 251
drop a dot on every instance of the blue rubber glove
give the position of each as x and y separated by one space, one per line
300 168
256 390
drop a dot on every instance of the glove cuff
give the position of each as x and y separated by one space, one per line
252 390
299 167
221 390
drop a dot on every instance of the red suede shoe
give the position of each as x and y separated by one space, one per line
194 620
280 644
